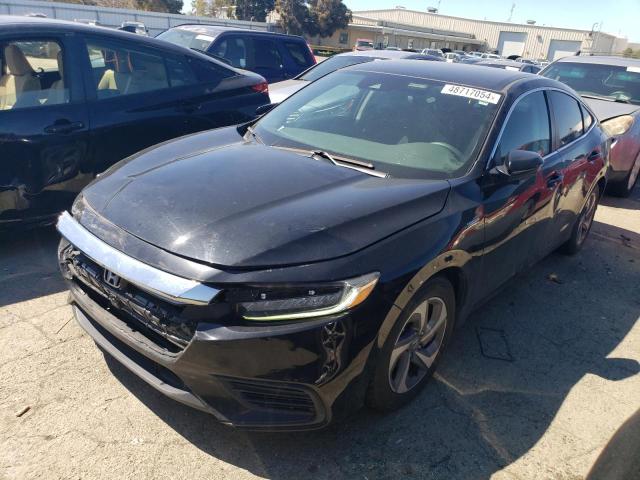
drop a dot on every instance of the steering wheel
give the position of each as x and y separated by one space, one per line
451 148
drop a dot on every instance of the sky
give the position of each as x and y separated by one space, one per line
618 17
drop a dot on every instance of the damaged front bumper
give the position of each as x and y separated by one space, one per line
190 347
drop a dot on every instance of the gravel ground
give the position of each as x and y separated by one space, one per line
533 386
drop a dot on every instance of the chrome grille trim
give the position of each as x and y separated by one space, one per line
155 281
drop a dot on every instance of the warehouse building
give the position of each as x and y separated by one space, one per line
415 29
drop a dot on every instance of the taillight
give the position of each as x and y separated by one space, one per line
262 87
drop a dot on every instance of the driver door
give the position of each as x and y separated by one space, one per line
513 205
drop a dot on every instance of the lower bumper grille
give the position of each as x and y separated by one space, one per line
263 395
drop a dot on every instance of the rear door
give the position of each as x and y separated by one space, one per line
44 139
567 177
268 60
132 103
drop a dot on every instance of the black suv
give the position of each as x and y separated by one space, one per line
75 99
275 56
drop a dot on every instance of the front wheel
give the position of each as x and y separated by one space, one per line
413 348
583 225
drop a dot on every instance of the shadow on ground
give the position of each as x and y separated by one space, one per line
501 383
28 266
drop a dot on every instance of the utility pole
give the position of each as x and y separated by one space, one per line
513 7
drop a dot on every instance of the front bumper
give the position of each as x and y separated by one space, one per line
283 376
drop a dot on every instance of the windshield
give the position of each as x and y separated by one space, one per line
190 37
408 127
332 64
607 81
364 43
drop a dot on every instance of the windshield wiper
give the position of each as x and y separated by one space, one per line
365 167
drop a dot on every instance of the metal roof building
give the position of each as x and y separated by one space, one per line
528 40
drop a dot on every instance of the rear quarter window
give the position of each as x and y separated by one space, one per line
299 53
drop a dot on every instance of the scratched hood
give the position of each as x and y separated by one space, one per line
253 206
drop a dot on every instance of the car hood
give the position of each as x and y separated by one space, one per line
604 109
282 90
252 206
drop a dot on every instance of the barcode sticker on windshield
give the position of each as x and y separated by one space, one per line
473 93
633 69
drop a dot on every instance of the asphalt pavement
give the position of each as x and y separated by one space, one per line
536 385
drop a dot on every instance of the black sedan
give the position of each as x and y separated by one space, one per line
295 267
75 99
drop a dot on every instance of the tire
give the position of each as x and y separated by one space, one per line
583 224
406 350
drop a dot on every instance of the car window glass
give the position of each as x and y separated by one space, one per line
267 54
332 64
297 52
586 118
210 72
235 50
180 73
527 128
568 117
121 71
32 74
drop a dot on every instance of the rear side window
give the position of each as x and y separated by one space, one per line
527 128
566 111
587 119
180 73
299 53
121 71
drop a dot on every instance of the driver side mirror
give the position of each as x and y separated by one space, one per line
262 109
520 162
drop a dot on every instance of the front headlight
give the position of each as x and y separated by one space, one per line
274 303
617 126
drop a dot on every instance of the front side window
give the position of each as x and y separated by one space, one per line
119 70
566 111
234 49
406 126
527 128
32 74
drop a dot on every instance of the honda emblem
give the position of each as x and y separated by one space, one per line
112 279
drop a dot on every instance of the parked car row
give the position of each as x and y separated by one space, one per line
280 264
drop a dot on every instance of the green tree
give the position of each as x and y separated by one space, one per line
327 16
294 16
254 10
627 52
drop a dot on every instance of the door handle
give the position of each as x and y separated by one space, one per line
64 126
554 180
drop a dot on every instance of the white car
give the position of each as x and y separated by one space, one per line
434 52
491 55
452 57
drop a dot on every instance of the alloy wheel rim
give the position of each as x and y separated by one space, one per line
587 217
417 345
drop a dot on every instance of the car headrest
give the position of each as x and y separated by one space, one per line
17 63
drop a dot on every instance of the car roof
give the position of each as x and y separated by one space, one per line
390 54
63 26
602 60
495 61
496 79
218 29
